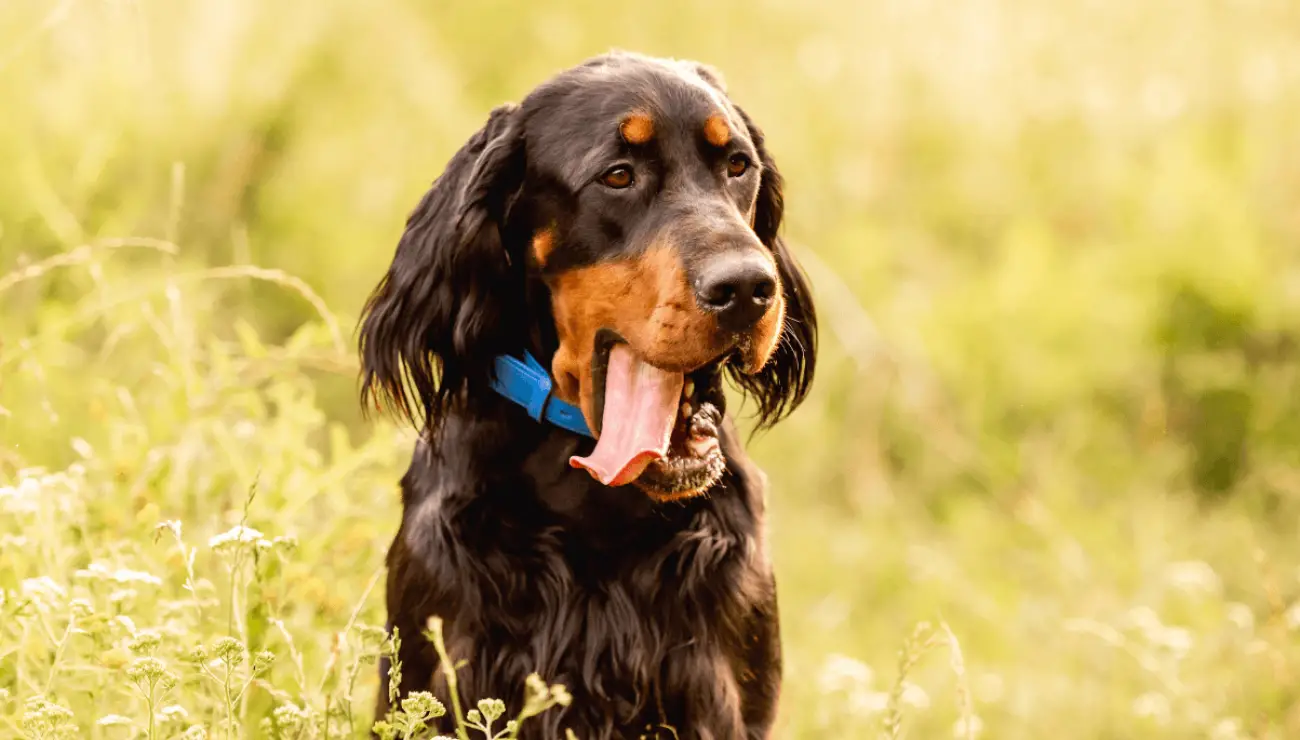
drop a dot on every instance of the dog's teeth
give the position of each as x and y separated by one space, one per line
688 390
686 411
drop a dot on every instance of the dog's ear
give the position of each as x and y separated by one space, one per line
446 308
784 381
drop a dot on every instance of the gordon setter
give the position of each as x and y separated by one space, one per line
599 524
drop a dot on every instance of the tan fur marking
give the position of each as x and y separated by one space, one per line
667 497
716 130
767 335
637 128
647 300
543 243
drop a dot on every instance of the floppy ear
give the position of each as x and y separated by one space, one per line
446 308
784 381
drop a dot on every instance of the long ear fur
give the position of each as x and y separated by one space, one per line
784 382
446 308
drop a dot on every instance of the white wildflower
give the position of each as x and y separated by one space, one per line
1241 615
83 448
864 702
56 480
125 575
1228 728
19 505
21 499
99 571
113 720
43 589
1292 616
96 571
842 673
172 713
1193 577
915 696
286 542
119 595
145 642
29 488
237 535
1144 618
1174 639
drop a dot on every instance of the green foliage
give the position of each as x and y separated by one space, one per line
1057 411
415 713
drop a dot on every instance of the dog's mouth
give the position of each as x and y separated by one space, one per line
656 428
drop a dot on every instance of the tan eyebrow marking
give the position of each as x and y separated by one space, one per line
543 243
637 128
716 130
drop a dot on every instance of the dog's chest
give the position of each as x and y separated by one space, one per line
638 640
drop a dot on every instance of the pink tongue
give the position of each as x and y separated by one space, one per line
640 410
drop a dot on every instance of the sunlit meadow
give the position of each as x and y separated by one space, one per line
1048 482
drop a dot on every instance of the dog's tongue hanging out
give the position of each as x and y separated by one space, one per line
640 410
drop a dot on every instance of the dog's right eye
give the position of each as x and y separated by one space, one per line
618 178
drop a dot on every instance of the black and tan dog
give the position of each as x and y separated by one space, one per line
621 227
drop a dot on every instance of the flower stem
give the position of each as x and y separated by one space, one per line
449 671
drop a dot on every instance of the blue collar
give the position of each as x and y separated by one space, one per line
528 384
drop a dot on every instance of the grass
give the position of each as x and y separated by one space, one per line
1046 483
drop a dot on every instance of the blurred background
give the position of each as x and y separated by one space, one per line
1048 480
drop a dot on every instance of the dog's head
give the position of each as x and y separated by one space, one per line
623 222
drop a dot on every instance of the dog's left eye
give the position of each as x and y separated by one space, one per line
617 178
737 165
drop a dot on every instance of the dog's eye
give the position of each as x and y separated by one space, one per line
617 178
737 165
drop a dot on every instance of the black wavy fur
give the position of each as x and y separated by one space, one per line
654 615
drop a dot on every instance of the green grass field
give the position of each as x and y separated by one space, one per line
1047 484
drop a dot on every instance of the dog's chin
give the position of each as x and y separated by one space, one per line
694 462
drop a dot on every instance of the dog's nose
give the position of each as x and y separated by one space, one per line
739 288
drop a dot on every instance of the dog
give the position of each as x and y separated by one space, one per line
562 311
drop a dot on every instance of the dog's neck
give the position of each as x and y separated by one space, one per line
512 455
